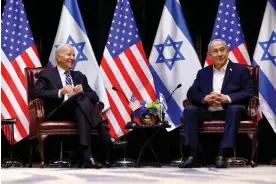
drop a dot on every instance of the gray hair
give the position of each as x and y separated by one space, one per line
211 42
61 47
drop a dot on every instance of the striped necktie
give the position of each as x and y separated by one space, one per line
68 80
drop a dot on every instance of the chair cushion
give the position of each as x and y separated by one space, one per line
57 125
221 124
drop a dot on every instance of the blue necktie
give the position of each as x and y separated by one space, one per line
67 78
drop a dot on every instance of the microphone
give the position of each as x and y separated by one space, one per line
178 86
163 113
131 114
116 89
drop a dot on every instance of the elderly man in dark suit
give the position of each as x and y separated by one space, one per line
68 96
220 91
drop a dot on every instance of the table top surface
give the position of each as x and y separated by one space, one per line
137 126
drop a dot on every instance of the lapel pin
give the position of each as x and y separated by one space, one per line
230 69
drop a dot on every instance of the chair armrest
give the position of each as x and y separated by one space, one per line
186 103
36 116
253 107
99 107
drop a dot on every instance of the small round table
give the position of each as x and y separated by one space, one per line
148 138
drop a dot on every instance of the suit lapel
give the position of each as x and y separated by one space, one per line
72 73
57 78
227 75
209 79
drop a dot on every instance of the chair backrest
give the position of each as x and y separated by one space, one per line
254 75
31 76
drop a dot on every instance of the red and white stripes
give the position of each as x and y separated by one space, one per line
13 89
128 72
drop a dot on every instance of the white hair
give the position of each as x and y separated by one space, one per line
61 47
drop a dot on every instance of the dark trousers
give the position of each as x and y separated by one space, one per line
232 116
79 109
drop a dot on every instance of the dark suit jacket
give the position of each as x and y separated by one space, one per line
237 85
48 84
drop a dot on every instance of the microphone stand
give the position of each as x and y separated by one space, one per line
177 161
163 121
125 162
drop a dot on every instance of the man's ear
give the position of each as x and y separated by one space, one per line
208 53
58 58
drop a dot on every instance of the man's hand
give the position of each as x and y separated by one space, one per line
68 89
212 99
78 88
222 98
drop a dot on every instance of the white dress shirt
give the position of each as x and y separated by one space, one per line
62 77
218 77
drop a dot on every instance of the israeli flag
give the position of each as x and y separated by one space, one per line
71 30
173 60
265 57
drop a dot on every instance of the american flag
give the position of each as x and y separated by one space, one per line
125 66
17 52
134 104
227 27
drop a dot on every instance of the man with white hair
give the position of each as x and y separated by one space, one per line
67 96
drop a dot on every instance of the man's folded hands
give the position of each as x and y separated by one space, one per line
215 99
70 90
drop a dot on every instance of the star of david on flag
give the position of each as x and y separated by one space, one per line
265 57
71 30
173 61
267 47
169 52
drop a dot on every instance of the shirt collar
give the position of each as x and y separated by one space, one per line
222 68
60 70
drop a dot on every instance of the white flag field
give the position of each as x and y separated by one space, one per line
173 60
71 30
265 57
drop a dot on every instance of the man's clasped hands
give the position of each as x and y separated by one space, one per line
215 99
71 90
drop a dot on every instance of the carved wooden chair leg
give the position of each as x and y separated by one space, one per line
253 161
41 142
30 154
181 146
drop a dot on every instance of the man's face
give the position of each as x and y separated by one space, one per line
66 58
218 52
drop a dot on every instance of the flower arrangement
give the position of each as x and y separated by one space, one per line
148 113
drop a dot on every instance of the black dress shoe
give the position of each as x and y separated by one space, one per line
220 162
191 162
118 144
91 163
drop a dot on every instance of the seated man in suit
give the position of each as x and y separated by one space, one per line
67 96
220 92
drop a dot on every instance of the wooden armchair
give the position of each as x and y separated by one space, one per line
249 126
39 128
